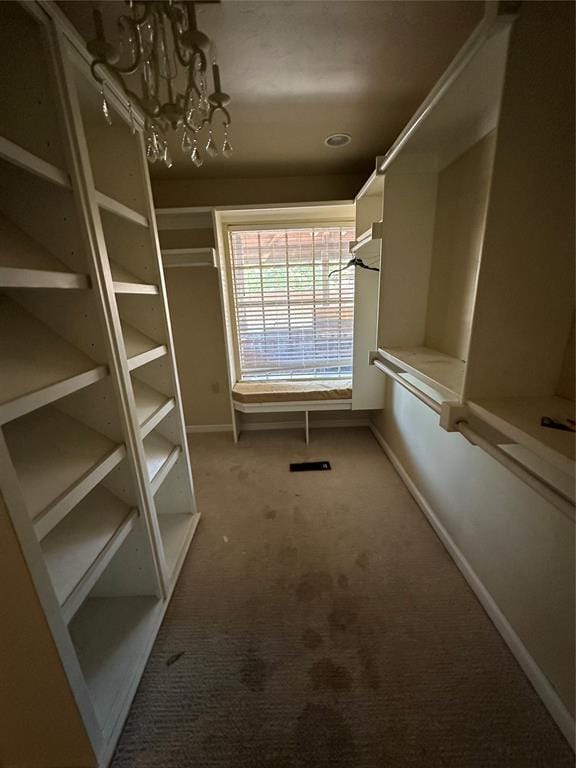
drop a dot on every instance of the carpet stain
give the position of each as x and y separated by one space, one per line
269 513
288 553
254 673
299 517
327 675
281 582
312 639
324 737
174 658
242 475
343 581
370 672
363 560
432 683
312 585
341 620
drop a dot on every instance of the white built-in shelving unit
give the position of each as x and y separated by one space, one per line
436 188
367 390
186 237
97 493
189 237
476 307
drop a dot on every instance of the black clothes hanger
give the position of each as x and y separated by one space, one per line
354 262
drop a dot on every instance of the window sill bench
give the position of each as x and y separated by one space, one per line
295 396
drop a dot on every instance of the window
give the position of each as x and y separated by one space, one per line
294 309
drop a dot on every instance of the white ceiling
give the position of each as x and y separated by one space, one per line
299 70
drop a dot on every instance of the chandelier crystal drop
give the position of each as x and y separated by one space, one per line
162 54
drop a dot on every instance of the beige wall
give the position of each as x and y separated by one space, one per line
519 546
461 202
41 725
568 373
194 303
290 189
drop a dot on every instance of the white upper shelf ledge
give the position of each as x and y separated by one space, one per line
184 218
24 263
188 257
126 282
493 22
374 232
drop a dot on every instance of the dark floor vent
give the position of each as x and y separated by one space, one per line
310 466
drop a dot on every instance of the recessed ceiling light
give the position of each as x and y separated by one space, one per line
337 140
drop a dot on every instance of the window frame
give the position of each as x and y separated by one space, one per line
259 226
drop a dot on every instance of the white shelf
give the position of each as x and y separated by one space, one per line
113 637
152 406
81 546
184 218
14 277
161 455
114 206
463 106
140 349
367 245
58 461
38 366
188 257
519 419
176 531
20 157
441 372
24 263
125 282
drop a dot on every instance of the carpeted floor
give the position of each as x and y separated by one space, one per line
319 622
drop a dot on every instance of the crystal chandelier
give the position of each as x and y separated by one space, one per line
161 46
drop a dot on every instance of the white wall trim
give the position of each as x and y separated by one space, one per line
192 429
542 685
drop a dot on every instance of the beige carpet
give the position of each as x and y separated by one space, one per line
320 623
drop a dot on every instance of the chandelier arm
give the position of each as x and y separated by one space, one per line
154 63
192 83
130 69
139 103
113 75
147 10
163 64
218 108
184 60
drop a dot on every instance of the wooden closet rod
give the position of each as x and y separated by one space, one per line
426 399
548 491
554 495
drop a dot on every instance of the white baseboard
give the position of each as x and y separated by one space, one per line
208 428
542 685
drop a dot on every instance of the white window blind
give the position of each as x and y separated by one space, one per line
294 318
